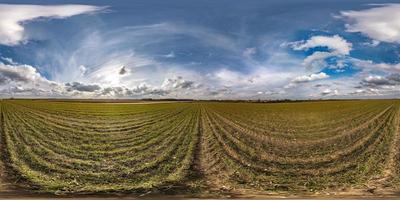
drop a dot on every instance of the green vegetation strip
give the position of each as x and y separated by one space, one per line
94 147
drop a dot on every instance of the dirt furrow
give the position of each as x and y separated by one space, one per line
382 183
5 183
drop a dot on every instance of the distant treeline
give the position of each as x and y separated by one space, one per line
184 100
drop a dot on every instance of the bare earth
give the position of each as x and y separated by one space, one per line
253 197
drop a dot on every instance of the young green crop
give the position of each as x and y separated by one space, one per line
92 147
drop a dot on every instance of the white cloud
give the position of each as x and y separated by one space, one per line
336 47
170 55
373 43
317 59
334 43
177 83
82 87
109 72
311 77
230 78
380 81
305 79
21 73
82 69
13 16
260 77
104 53
8 60
329 92
25 80
368 65
248 52
374 79
380 23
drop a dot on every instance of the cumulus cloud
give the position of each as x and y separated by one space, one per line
378 85
317 58
334 43
394 77
116 92
367 91
376 81
13 16
26 80
177 83
336 47
379 23
144 89
20 73
100 69
141 89
219 92
329 92
368 65
311 77
171 87
305 79
81 87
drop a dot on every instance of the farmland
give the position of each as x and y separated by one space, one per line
74 147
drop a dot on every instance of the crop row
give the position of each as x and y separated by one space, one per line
72 146
50 152
256 159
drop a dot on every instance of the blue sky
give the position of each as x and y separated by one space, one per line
216 49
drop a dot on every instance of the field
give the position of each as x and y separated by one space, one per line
198 147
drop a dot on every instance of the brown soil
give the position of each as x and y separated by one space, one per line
178 197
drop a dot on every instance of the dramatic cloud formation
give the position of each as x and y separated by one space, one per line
131 53
380 23
13 16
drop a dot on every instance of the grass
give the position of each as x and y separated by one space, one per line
95 147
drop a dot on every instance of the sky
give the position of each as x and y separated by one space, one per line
208 49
